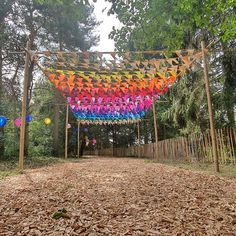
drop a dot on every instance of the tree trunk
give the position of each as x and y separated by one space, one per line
229 66
56 116
32 36
29 96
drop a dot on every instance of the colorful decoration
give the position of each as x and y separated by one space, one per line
3 121
117 90
17 122
94 141
29 118
47 121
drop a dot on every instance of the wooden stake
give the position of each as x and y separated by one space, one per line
210 146
78 133
232 144
138 141
202 148
222 150
23 108
205 146
229 144
66 139
186 147
155 125
213 137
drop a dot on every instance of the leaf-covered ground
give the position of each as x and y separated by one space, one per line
105 196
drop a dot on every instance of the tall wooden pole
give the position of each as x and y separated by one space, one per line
211 116
155 125
113 139
23 108
138 141
78 133
66 138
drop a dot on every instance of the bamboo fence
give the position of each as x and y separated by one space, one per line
191 148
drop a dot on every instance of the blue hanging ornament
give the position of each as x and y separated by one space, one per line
29 118
3 121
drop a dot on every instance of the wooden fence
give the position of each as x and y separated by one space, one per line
192 148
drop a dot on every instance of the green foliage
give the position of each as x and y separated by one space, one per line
40 139
160 24
70 24
148 24
60 2
156 24
59 214
54 25
40 134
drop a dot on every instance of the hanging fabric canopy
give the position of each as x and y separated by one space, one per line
116 90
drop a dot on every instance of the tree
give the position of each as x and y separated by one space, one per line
160 24
10 65
46 24
71 26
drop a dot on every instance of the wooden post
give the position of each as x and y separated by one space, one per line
66 139
138 140
211 118
78 147
113 140
232 144
155 126
23 108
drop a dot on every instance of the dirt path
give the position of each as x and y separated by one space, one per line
108 196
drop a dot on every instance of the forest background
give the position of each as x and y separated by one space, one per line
146 25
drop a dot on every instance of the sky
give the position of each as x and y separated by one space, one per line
105 44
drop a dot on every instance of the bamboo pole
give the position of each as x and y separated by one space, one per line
174 149
113 142
188 143
205 143
210 146
138 140
229 144
172 144
223 154
23 108
219 144
195 147
224 157
66 133
187 148
183 149
78 133
205 146
162 149
191 148
232 144
196 140
155 125
213 137
201 148
177 150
